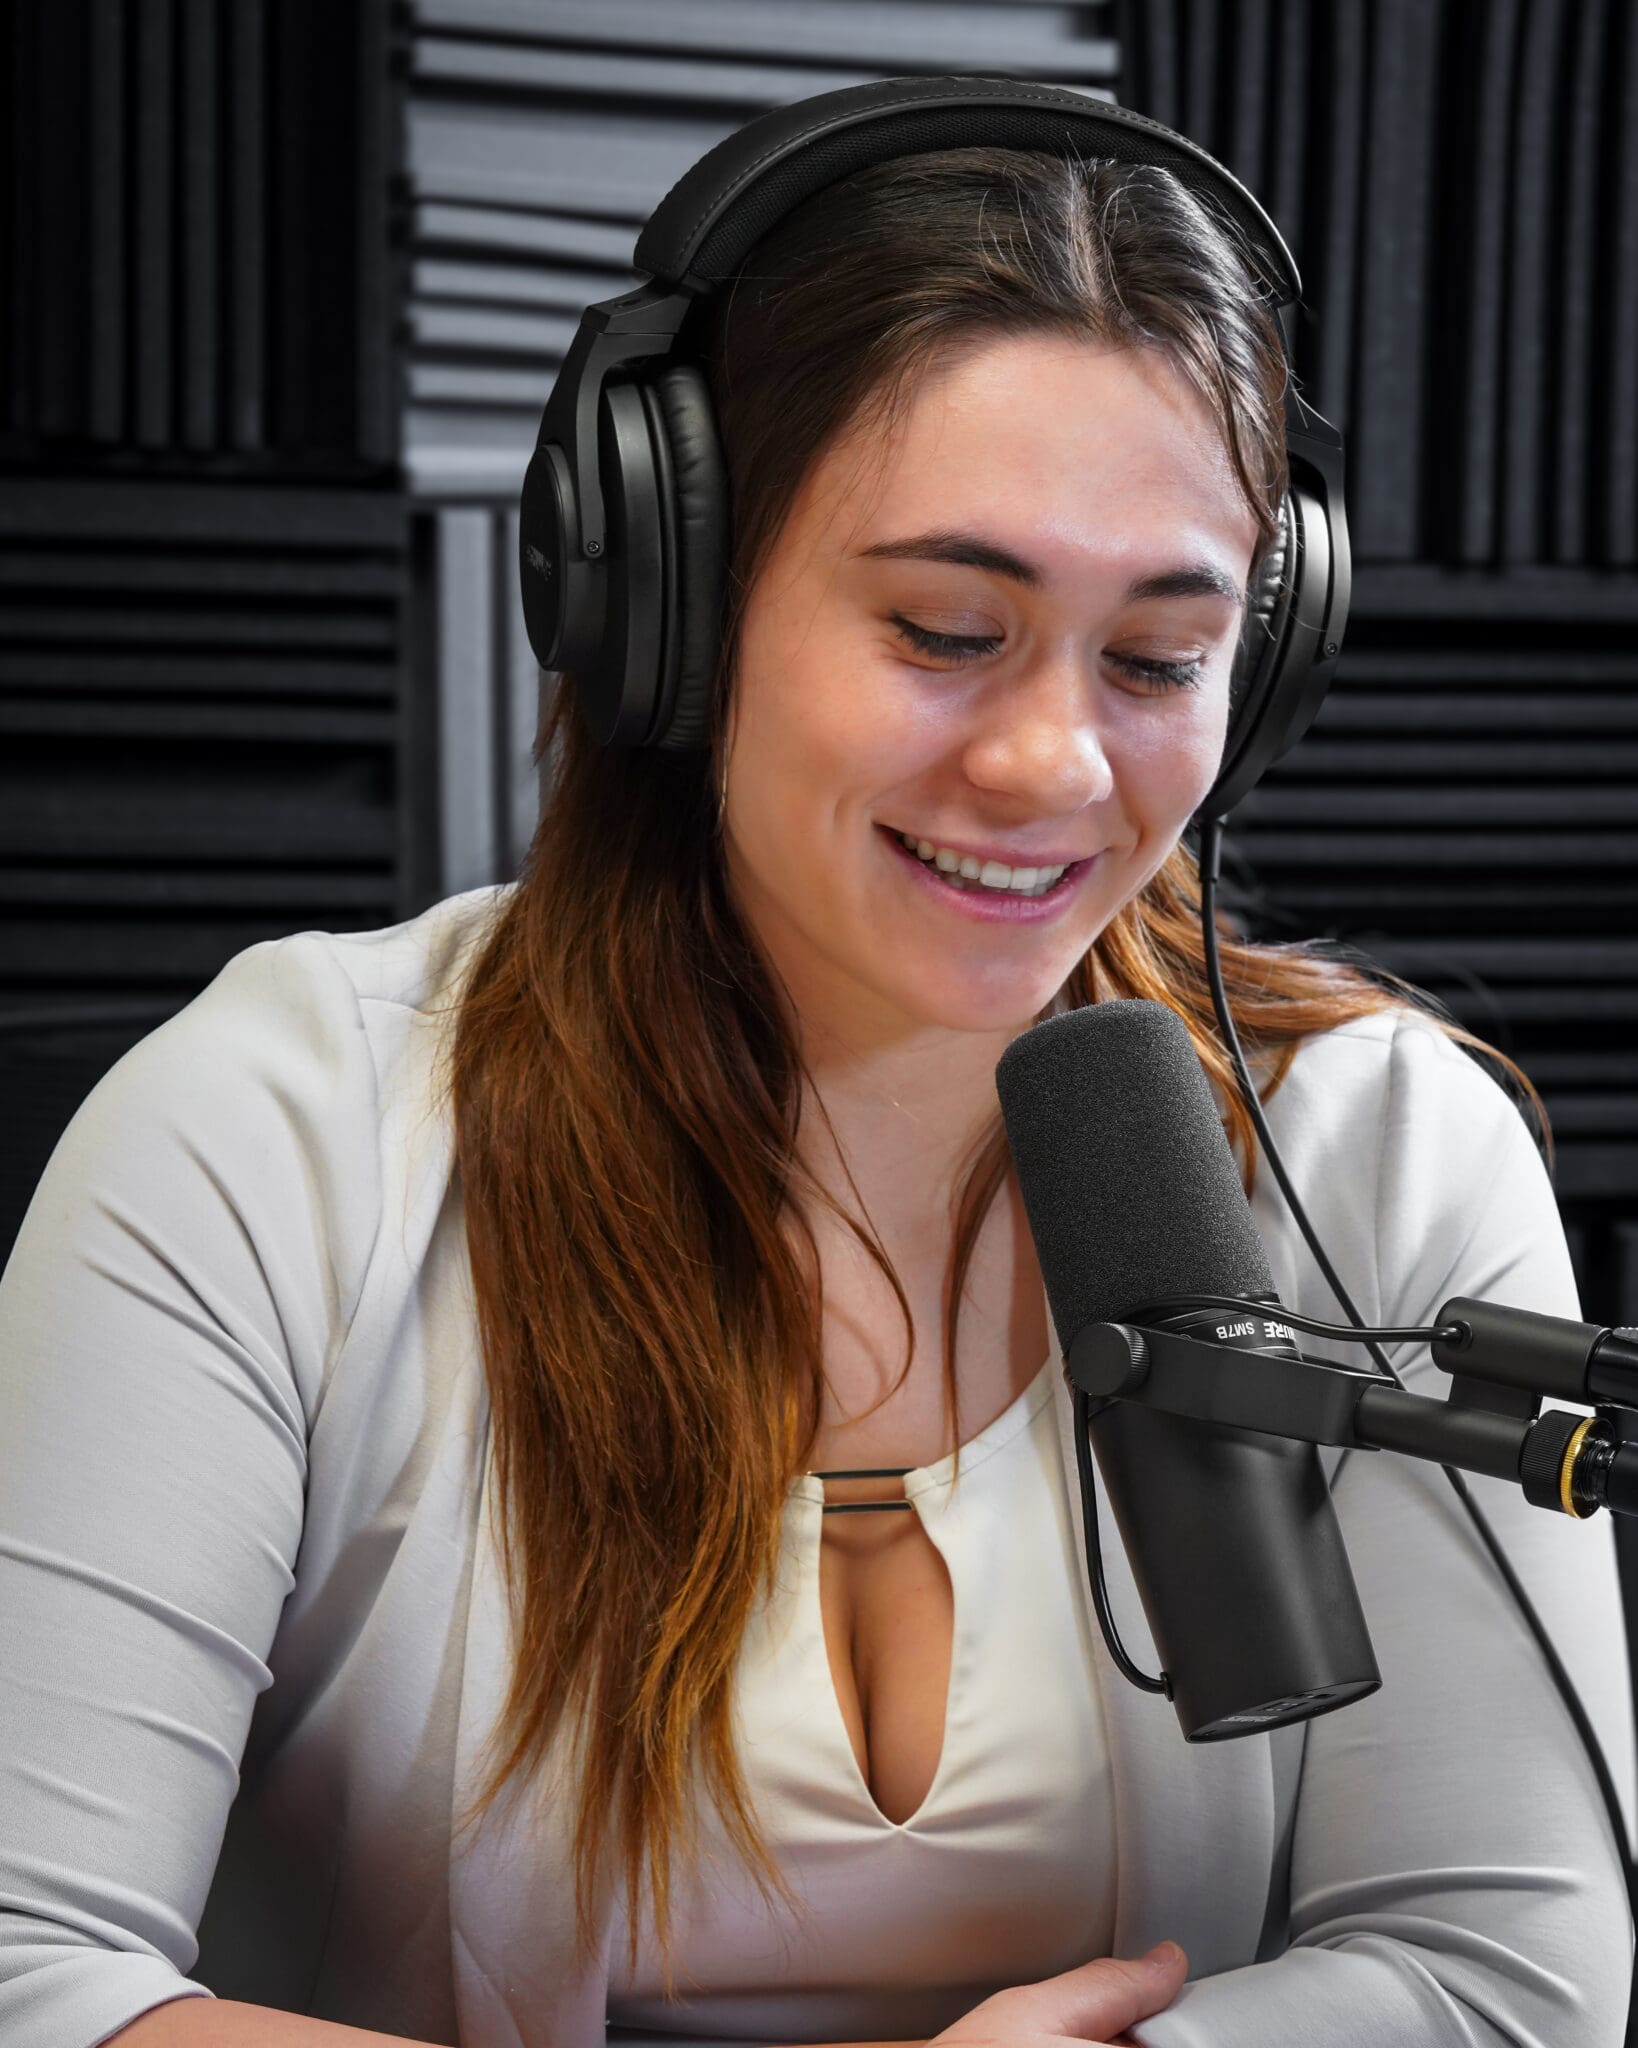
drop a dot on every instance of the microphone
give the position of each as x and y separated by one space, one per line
1133 1199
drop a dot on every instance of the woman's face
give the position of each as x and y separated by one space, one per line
1006 631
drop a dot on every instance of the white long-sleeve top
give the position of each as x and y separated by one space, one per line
1004 1873
253 1635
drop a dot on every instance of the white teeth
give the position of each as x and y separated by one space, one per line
990 874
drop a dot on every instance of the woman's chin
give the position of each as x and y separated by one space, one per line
998 1007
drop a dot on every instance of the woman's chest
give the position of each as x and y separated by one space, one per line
886 1597
999 1869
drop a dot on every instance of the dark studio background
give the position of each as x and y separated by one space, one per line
283 285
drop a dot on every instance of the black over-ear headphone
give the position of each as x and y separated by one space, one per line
623 528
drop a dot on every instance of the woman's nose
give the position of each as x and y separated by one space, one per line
1043 742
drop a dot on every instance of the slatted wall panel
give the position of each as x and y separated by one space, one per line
540 138
1464 809
202 730
1459 181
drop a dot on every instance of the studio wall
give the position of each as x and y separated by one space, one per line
282 289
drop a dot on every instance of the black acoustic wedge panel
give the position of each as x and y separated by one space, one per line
203 727
198 272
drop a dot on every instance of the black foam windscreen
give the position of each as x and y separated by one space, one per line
1127 1177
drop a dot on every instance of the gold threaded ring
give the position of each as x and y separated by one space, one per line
1567 1468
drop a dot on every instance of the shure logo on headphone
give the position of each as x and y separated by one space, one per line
537 561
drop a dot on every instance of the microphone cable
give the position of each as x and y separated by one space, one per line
1211 839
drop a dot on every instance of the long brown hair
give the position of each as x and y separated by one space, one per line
624 1072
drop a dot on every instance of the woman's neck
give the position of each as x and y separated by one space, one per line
905 1121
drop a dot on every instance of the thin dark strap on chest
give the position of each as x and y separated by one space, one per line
866 1507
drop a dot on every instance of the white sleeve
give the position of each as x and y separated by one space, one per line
1455 1882
185 1272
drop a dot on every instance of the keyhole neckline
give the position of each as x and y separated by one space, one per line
923 1480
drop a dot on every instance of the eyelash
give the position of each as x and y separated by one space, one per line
1179 675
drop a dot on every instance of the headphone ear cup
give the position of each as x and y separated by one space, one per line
1262 631
699 493
619 675
1289 643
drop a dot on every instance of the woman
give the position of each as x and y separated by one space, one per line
431 1339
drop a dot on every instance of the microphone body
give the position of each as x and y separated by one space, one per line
1240 1565
1133 1197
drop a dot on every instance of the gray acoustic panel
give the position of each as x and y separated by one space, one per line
541 137
1537 148
487 690
1026 38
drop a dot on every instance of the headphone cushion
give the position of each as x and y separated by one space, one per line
701 491
1265 616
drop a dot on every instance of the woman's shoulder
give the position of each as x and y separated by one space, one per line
413 966
271 1129
1393 1077
418 963
1413 1161
289 1012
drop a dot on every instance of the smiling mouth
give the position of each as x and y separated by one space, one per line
970 885
1032 861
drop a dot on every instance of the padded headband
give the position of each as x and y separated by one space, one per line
706 226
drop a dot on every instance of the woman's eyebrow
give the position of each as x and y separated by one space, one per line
969 551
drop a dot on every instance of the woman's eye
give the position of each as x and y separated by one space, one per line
959 648
1161 675
945 646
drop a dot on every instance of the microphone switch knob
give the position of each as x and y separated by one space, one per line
1107 1360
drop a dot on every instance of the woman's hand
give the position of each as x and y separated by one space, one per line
1095 2004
